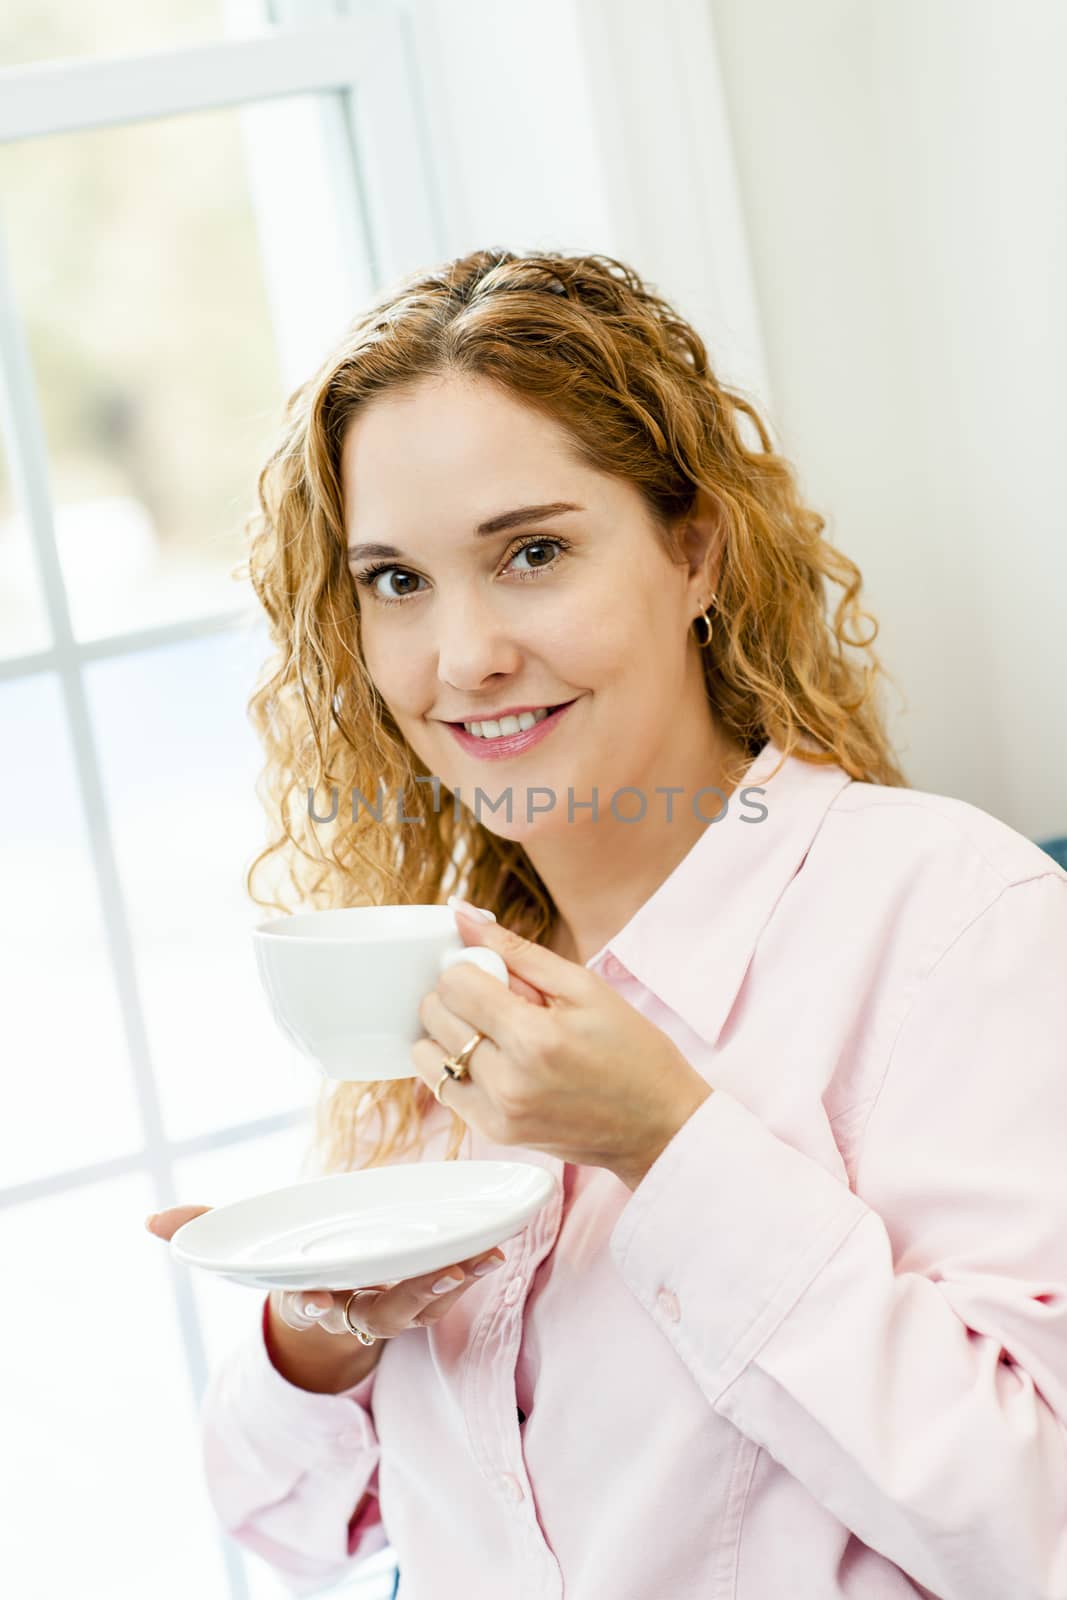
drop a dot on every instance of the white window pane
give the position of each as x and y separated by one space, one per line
23 620
138 275
100 1474
33 30
180 765
67 1080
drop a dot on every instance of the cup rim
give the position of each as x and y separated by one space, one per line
279 927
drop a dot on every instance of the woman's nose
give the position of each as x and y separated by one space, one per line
473 644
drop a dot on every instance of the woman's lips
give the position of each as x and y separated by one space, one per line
509 744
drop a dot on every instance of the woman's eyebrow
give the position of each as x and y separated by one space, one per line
498 524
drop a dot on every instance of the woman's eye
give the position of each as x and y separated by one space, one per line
540 544
393 573
400 575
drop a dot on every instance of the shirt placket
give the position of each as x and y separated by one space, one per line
491 1408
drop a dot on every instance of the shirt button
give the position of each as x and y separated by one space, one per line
613 967
667 1301
513 1291
511 1487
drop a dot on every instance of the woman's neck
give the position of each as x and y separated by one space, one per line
604 879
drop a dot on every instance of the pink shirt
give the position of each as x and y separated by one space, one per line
821 1350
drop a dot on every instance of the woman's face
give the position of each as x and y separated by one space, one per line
461 622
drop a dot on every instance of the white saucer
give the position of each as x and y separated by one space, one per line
353 1229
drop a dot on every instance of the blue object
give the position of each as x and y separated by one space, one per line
1057 849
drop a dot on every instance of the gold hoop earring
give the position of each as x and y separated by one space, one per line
703 617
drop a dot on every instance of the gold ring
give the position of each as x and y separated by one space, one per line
364 1338
457 1065
439 1085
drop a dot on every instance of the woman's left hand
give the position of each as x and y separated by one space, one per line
582 1075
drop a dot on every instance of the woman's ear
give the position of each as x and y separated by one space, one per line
703 534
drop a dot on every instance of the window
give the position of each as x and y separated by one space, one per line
182 234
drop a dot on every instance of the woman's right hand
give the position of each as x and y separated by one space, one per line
383 1310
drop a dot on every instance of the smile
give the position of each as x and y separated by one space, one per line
496 741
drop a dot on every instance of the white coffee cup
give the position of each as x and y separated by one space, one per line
345 985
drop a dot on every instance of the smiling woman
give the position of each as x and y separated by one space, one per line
798 1306
560 396
486 529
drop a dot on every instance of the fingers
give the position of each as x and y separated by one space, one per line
441 1297
164 1224
419 1302
526 990
387 1310
301 1309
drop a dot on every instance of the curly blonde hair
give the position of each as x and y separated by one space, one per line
584 340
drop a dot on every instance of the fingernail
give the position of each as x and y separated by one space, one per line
489 1265
148 1221
472 911
312 1310
443 1285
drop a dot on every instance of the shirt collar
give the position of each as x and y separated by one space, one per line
691 942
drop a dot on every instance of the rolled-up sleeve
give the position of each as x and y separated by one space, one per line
900 1347
286 1469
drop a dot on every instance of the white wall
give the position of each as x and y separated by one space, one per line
594 125
860 205
903 170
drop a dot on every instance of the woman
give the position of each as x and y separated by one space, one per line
791 1035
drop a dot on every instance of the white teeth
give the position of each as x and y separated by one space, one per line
506 725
